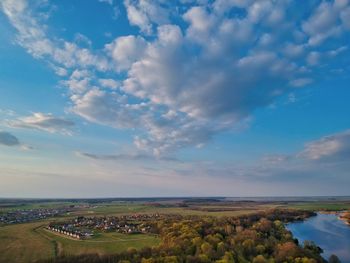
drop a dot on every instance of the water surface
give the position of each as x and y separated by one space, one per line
328 232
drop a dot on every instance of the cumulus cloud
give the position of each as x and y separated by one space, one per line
126 50
321 159
328 149
8 139
146 13
332 147
109 83
33 37
324 22
44 122
195 69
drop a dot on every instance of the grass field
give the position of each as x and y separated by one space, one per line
30 242
130 208
102 244
21 243
331 206
26 206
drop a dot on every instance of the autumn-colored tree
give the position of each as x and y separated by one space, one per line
259 259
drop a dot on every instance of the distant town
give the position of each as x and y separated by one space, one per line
28 215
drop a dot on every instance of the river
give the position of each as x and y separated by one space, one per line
328 232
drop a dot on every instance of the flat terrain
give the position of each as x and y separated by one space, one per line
21 243
331 206
103 243
30 241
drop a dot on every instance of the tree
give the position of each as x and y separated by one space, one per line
260 249
221 249
310 245
170 259
333 259
259 259
286 250
206 248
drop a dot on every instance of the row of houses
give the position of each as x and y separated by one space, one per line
70 232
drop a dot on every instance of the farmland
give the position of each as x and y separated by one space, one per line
31 241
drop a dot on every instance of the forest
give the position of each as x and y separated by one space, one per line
257 238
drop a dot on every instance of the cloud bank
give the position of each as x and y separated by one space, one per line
194 69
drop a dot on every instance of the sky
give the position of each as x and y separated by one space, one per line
147 98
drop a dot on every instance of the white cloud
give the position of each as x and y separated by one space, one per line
324 22
293 50
192 71
44 122
300 82
32 36
258 10
313 58
143 13
109 83
345 16
222 6
106 108
126 50
199 19
124 157
79 81
336 146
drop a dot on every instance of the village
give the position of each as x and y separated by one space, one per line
83 227
29 215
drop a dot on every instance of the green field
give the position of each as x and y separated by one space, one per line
117 209
104 243
26 206
21 243
30 242
316 206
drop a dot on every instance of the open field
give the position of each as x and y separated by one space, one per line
139 209
103 243
30 241
21 243
212 209
330 206
25 206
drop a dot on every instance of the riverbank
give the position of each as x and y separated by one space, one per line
345 217
341 215
327 231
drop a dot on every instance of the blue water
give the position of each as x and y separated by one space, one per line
328 232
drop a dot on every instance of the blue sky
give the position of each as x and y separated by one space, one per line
107 98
